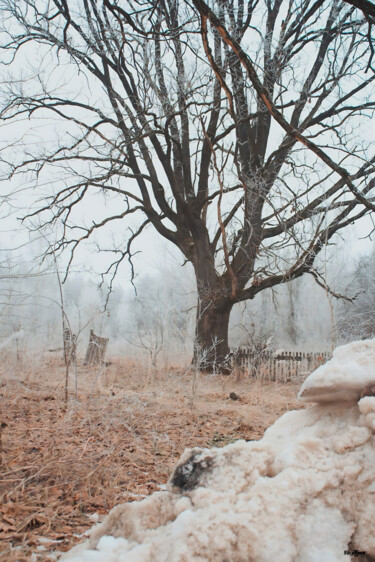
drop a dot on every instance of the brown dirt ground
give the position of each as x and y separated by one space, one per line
63 466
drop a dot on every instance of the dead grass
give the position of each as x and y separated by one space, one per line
65 465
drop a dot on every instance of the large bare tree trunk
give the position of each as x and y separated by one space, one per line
213 309
211 338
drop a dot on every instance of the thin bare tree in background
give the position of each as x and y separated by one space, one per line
69 339
235 142
357 319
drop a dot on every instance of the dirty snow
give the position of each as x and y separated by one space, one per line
348 375
305 492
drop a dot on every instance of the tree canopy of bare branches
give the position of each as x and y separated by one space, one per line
237 130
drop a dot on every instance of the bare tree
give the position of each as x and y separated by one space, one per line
357 319
230 141
368 8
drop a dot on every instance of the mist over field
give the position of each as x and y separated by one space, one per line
158 314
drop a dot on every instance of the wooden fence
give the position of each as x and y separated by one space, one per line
279 365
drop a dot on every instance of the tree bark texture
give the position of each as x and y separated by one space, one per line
211 338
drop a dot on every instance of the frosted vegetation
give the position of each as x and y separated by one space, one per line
304 492
158 322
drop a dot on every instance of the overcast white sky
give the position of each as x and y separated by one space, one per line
154 249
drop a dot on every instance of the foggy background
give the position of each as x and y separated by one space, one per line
154 320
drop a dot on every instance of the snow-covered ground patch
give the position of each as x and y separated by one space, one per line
305 492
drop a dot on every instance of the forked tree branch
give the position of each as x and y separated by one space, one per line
207 14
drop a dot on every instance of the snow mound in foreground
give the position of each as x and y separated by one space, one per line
305 492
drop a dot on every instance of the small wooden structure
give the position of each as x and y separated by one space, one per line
96 350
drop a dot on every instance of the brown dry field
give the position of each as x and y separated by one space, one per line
63 466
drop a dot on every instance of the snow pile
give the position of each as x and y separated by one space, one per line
349 375
305 492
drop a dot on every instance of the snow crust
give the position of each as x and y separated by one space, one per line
348 375
303 493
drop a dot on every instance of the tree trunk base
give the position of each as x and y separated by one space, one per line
211 349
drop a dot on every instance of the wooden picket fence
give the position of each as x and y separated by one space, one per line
278 365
